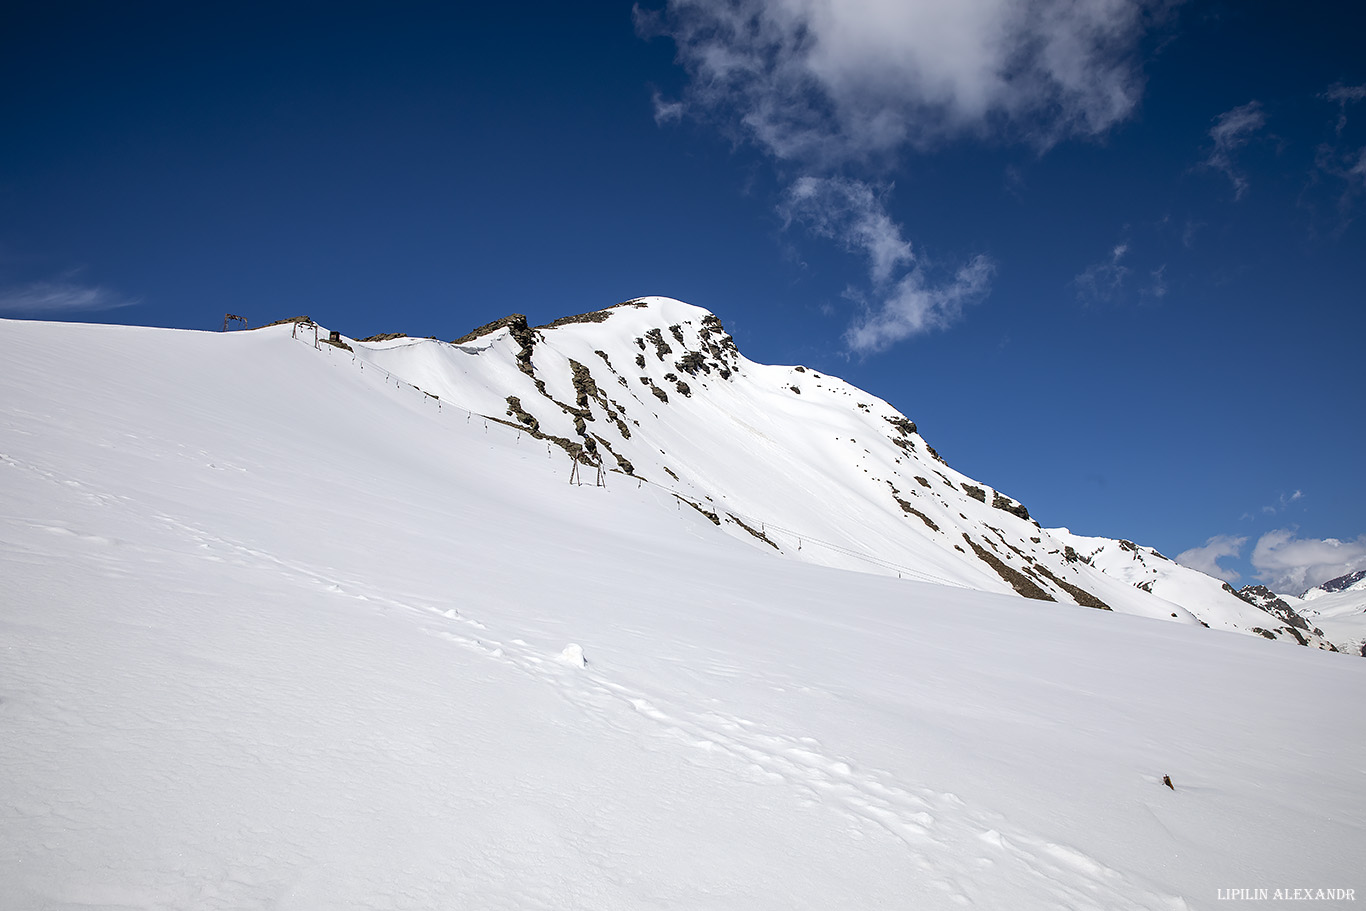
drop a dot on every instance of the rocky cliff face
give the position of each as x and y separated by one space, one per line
654 391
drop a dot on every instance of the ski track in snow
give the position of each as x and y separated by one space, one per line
953 844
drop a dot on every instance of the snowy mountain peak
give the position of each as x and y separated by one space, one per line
783 458
1350 582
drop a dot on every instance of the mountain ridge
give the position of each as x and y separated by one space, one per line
791 460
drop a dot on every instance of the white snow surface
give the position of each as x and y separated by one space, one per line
282 632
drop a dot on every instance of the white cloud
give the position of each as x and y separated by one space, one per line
1230 132
825 82
848 87
1289 564
914 306
51 298
1206 559
1104 280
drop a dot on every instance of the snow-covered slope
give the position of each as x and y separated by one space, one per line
788 459
279 632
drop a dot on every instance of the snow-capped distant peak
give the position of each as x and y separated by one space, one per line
1350 582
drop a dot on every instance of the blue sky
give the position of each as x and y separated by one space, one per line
1107 254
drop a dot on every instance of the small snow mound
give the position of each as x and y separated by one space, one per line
573 656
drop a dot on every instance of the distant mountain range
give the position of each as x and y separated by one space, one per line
1338 607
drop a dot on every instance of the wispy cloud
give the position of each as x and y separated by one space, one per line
915 304
852 213
1158 288
1290 564
905 300
1282 502
666 111
840 92
1102 281
1231 131
52 298
1344 95
1206 558
1342 159
1188 233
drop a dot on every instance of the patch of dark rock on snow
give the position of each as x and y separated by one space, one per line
576 451
657 339
584 385
1079 594
292 319
1263 598
595 316
516 410
1014 507
758 534
1071 556
715 519
911 510
515 321
659 393
902 424
976 493
1017 580
692 362
622 462
521 333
